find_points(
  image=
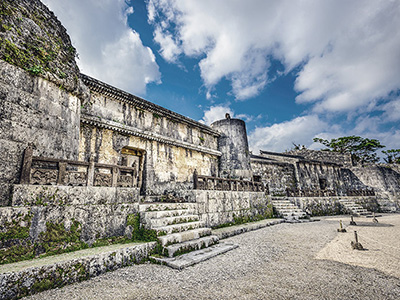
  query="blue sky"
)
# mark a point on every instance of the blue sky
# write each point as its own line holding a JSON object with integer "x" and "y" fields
{"x": 293, "y": 70}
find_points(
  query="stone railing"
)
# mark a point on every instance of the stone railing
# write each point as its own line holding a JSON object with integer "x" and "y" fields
{"x": 202, "y": 182}
{"x": 327, "y": 193}
{"x": 366, "y": 192}
{"x": 50, "y": 171}
{"x": 311, "y": 193}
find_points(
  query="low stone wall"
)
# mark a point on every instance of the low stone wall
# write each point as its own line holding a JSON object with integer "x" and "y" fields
{"x": 325, "y": 206}
{"x": 33, "y": 280}
{"x": 24, "y": 195}
{"x": 319, "y": 206}
{"x": 221, "y": 207}
{"x": 385, "y": 179}
{"x": 55, "y": 219}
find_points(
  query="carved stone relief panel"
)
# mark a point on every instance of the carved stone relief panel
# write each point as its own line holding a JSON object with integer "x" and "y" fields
{"x": 101, "y": 179}
{"x": 43, "y": 176}
{"x": 76, "y": 178}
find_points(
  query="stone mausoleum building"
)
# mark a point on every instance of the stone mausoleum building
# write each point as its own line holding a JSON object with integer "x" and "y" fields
{"x": 75, "y": 150}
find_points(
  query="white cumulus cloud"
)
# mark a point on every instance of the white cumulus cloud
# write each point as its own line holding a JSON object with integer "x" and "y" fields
{"x": 108, "y": 48}
{"x": 215, "y": 113}
{"x": 281, "y": 136}
{"x": 347, "y": 51}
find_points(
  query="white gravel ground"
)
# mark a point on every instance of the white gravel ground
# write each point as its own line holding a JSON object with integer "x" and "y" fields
{"x": 276, "y": 262}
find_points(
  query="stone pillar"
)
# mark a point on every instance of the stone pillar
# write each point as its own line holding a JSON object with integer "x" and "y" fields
{"x": 233, "y": 144}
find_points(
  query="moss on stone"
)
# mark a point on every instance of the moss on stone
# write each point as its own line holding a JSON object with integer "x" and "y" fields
{"x": 140, "y": 233}
{"x": 33, "y": 39}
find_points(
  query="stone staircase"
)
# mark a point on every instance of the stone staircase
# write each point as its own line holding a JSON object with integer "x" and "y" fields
{"x": 354, "y": 208}
{"x": 185, "y": 240}
{"x": 287, "y": 209}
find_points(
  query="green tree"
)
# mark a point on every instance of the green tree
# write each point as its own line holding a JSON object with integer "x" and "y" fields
{"x": 362, "y": 150}
{"x": 392, "y": 156}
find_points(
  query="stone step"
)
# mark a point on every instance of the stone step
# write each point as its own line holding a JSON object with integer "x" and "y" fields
{"x": 356, "y": 208}
{"x": 283, "y": 203}
{"x": 279, "y": 198}
{"x": 289, "y": 214}
{"x": 167, "y": 213}
{"x": 161, "y": 222}
{"x": 180, "y": 237}
{"x": 286, "y": 207}
{"x": 180, "y": 227}
{"x": 195, "y": 257}
{"x": 161, "y": 206}
{"x": 289, "y": 211}
{"x": 192, "y": 245}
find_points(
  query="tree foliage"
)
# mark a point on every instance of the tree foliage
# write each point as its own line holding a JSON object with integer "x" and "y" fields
{"x": 362, "y": 150}
{"x": 392, "y": 156}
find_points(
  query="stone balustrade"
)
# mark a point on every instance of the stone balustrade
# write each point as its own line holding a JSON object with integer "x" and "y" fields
{"x": 366, "y": 192}
{"x": 327, "y": 193}
{"x": 50, "y": 171}
{"x": 202, "y": 182}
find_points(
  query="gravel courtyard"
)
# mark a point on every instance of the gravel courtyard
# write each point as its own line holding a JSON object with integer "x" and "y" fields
{"x": 277, "y": 262}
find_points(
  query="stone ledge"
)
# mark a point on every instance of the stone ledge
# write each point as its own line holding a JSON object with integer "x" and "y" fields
{"x": 19, "y": 280}
{"x": 226, "y": 232}
{"x": 30, "y": 195}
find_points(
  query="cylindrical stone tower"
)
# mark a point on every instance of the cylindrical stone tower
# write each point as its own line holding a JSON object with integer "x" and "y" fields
{"x": 233, "y": 144}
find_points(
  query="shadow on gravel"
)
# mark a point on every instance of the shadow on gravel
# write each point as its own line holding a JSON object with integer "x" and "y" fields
{"x": 367, "y": 224}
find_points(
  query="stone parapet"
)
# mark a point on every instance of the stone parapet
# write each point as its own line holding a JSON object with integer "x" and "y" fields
{"x": 220, "y": 207}
{"x": 27, "y": 281}
{"x": 31, "y": 195}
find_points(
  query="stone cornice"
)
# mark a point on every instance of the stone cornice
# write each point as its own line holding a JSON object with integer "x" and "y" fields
{"x": 121, "y": 128}
{"x": 281, "y": 154}
{"x": 110, "y": 91}
{"x": 268, "y": 161}
{"x": 294, "y": 159}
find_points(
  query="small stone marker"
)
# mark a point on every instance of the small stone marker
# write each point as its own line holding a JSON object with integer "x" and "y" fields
{"x": 356, "y": 245}
{"x": 352, "y": 221}
{"x": 341, "y": 229}
{"x": 375, "y": 220}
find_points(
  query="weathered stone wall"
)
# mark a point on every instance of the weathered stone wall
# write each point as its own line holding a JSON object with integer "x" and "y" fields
{"x": 36, "y": 112}
{"x": 15, "y": 285}
{"x": 349, "y": 181}
{"x": 33, "y": 195}
{"x": 166, "y": 167}
{"x": 385, "y": 179}
{"x": 101, "y": 211}
{"x": 172, "y": 146}
{"x": 278, "y": 176}
{"x": 313, "y": 173}
{"x": 221, "y": 207}
{"x": 39, "y": 85}
{"x": 328, "y": 206}
{"x": 44, "y": 219}
{"x": 113, "y": 107}
{"x": 324, "y": 156}
{"x": 33, "y": 39}
{"x": 319, "y": 206}
{"x": 315, "y": 176}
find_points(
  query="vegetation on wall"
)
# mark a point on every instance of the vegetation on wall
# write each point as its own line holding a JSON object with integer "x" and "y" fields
{"x": 33, "y": 39}
{"x": 258, "y": 214}
{"x": 392, "y": 156}
{"x": 362, "y": 150}
{"x": 17, "y": 244}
